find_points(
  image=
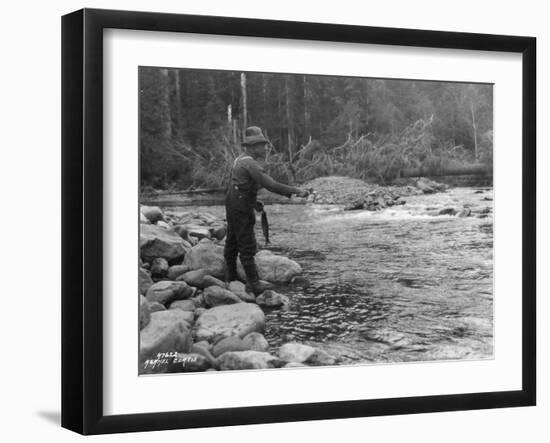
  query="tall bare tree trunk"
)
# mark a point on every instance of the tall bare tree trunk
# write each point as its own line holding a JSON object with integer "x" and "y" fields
{"x": 167, "y": 114}
{"x": 243, "y": 96}
{"x": 474, "y": 125}
{"x": 177, "y": 98}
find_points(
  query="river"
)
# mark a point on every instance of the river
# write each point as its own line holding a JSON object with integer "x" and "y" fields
{"x": 401, "y": 284}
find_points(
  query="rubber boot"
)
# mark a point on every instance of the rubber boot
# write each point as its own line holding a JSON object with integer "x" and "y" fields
{"x": 253, "y": 283}
{"x": 230, "y": 273}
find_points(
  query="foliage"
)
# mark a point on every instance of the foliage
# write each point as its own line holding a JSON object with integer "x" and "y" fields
{"x": 191, "y": 123}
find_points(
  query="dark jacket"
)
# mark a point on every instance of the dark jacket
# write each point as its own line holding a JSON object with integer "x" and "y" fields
{"x": 248, "y": 176}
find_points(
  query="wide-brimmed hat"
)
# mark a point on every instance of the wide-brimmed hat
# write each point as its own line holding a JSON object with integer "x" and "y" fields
{"x": 253, "y": 135}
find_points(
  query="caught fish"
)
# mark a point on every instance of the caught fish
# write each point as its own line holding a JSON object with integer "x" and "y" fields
{"x": 265, "y": 224}
{"x": 265, "y": 227}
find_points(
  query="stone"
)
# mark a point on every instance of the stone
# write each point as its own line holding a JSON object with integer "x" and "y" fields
{"x": 182, "y": 232}
{"x": 175, "y": 271}
{"x": 272, "y": 299}
{"x": 247, "y": 360}
{"x": 238, "y": 319}
{"x": 218, "y": 232}
{"x": 167, "y": 331}
{"x": 163, "y": 225}
{"x": 212, "y": 281}
{"x": 159, "y": 242}
{"x": 295, "y": 352}
{"x": 144, "y": 281}
{"x": 216, "y": 296}
{"x": 273, "y": 268}
{"x": 239, "y": 289}
{"x": 464, "y": 212}
{"x": 188, "y": 316}
{"x": 152, "y": 213}
{"x": 320, "y": 358}
{"x": 256, "y": 342}
{"x": 447, "y": 211}
{"x": 197, "y": 231}
{"x": 143, "y": 219}
{"x": 166, "y": 292}
{"x": 230, "y": 344}
{"x": 159, "y": 267}
{"x": 144, "y": 312}
{"x": 194, "y": 278}
{"x": 156, "y": 306}
{"x": 208, "y": 256}
{"x": 184, "y": 305}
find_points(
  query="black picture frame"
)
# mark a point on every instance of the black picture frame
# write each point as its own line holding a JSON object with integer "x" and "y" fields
{"x": 82, "y": 220}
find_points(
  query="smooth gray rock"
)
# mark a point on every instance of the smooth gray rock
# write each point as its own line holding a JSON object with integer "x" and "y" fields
{"x": 144, "y": 312}
{"x": 166, "y": 292}
{"x": 159, "y": 242}
{"x": 295, "y": 352}
{"x": 144, "y": 281}
{"x": 184, "y": 305}
{"x": 167, "y": 331}
{"x": 216, "y": 296}
{"x": 256, "y": 342}
{"x": 238, "y": 288}
{"x": 273, "y": 268}
{"x": 156, "y": 306}
{"x": 194, "y": 278}
{"x": 159, "y": 267}
{"x": 237, "y": 319}
{"x": 152, "y": 213}
{"x": 208, "y": 256}
{"x": 175, "y": 271}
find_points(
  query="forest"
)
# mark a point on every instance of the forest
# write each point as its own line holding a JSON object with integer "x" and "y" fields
{"x": 191, "y": 123}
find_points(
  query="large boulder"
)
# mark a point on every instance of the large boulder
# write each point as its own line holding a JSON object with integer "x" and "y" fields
{"x": 175, "y": 271}
{"x": 238, "y": 319}
{"x": 274, "y": 268}
{"x": 159, "y": 242}
{"x": 166, "y": 292}
{"x": 213, "y": 281}
{"x": 144, "y": 281}
{"x": 295, "y": 352}
{"x": 194, "y": 278}
{"x": 208, "y": 256}
{"x": 167, "y": 331}
{"x": 144, "y": 312}
{"x": 152, "y": 213}
{"x": 216, "y": 296}
{"x": 248, "y": 360}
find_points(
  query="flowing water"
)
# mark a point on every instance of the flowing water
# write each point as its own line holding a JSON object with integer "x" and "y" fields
{"x": 401, "y": 284}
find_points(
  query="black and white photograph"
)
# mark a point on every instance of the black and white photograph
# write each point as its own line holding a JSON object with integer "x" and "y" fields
{"x": 294, "y": 220}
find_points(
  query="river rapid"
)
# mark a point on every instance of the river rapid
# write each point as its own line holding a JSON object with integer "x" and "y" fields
{"x": 401, "y": 284}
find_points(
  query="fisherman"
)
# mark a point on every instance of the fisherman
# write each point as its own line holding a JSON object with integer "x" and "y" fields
{"x": 247, "y": 177}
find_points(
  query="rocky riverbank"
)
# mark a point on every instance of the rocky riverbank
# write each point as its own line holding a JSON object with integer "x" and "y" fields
{"x": 358, "y": 194}
{"x": 189, "y": 319}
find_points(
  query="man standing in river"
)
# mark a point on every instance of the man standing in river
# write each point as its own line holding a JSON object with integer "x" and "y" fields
{"x": 247, "y": 177}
